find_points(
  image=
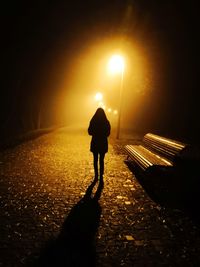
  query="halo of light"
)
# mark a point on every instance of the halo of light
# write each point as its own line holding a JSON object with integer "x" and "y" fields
{"x": 98, "y": 96}
{"x": 116, "y": 64}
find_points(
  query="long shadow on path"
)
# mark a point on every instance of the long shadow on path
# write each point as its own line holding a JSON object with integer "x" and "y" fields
{"x": 75, "y": 245}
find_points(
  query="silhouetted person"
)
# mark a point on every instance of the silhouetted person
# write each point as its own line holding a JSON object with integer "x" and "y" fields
{"x": 99, "y": 128}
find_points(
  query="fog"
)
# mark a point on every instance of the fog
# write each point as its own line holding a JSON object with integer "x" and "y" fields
{"x": 55, "y": 57}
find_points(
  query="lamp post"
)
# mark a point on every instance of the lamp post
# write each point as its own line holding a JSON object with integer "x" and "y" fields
{"x": 116, "y": 65}
{"x": 120, "y": 103}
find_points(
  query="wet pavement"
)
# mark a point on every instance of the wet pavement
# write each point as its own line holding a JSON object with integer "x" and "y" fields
{"x": 46, "y": 220}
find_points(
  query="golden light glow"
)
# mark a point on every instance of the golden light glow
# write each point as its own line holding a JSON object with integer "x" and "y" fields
{"x": 109, "y": 110}
{"x": 116, "y": 64}
{"x": 78, "y": 88}
{"x": 100, "y": 104}
{"x": 115, "y": 112}
{"x": 98, "y": 96}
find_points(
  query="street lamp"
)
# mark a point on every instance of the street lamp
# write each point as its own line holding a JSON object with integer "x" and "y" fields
{"x": 116, "y": 65}
{"x": 98, "y": 96}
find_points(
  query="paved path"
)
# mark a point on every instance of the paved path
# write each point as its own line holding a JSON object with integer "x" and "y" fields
{"x": 42, "y": 180}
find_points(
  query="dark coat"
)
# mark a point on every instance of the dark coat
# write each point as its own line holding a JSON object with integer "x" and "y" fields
{"x": 100, "y": 130}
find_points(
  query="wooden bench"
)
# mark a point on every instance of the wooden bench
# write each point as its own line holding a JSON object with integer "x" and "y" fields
{"x": 157, "y": 152}
{"x": 167, "y": 169}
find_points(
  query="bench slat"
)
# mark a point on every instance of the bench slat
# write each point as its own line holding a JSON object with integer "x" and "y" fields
{"x": 166, "y": 147}
{"x": 156, "y": 151}
{"x": 136, "y": 156}
{"x": 144, "y": 157}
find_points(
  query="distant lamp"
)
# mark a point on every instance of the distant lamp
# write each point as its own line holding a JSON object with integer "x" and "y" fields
{"x": 100, "y": 104}
{"x": 98, "y": 96}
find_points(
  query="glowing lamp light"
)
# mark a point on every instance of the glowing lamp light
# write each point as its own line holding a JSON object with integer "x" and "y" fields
{"x": 98, "y": 96}
{"x": 116, "y": 64}
{"x": 115, "y": 112}
{"x": 109, "y": 110}
{"x": 100, "y": 104}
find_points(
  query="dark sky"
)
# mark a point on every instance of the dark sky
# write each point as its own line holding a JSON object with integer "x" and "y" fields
{"x": 38, "y": 36}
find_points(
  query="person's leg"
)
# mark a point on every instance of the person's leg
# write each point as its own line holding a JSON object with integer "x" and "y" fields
{"x": 95, "y": 157}
{"x": 101, "y": 161}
